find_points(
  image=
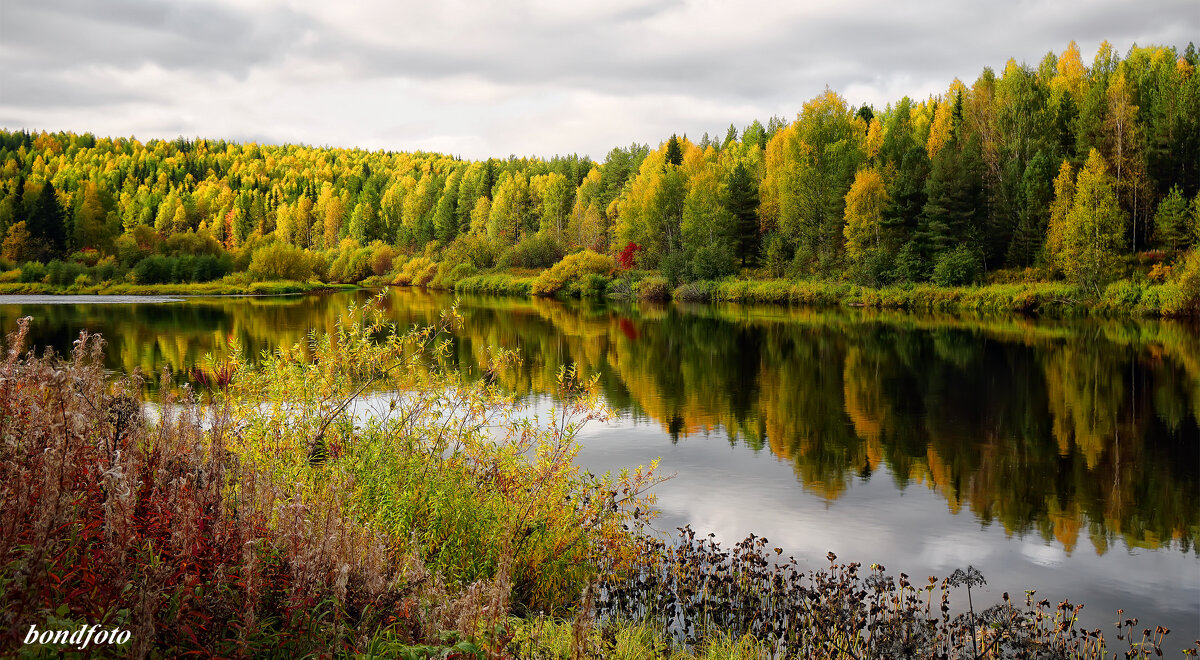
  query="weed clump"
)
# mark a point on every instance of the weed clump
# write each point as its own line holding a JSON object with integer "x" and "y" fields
{"x": 693, "y": 590}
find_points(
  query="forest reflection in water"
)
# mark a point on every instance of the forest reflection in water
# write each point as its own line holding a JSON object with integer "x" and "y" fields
{"x": 1084, "y": 432}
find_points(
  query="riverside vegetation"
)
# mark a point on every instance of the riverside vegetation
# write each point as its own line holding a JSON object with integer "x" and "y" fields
{"x": 353, "y": 494}
{"x": 1060, "y": 187}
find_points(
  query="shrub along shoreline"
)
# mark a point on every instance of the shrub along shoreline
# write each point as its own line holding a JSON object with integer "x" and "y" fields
{"x": 217, "y": 288}
{"x": 587, "y": 274}
{"x": 1177, "y": 298}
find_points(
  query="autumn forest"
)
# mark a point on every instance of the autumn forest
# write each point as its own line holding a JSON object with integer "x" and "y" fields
{"x": 1063, "y": 170}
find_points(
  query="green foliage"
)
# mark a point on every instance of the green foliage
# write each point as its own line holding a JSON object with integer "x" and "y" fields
{"x": 472, "y": 249}
{"x": 777, "y": 254}
{"x": 532, "y": 251}
{"x": 674, "y": 154}
{"x": 448, "y": 274}
{"x": 741, "y": 201}
{"x": 712, "y": 262}
{"x": 1173, "y": 220}
{"x": 1037, "y": 195}
{"x": 1121, "y": 295}
{"x": 591, "y": 285}
{"x": 878, "y": 269}
{"x": 820, "y": 154}
{"x": 1196, "y": 220}
{"x": 33, "y": 271}
{"x": 958, "y": 267}
{"x": 911, "y": 264}
{"x": 62, "y": 273}
{"x": 573, "y": 268}
{"x": 352, "y": 264}
{"x": 416, "y": 272}
{"x": 155, "y": 269}
{"x": 675, "y": 267}
{"x": 501, "y": 284}
{"x": 47, "y": 223}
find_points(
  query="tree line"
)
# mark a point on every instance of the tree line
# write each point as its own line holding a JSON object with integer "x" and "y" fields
{"x": 1061, "y": 166}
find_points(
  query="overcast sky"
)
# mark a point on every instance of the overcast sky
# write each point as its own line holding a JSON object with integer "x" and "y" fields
{"x": 525, "y": 77}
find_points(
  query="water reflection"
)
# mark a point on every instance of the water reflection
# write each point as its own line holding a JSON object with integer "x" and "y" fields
{"x": 1084, "y": 433}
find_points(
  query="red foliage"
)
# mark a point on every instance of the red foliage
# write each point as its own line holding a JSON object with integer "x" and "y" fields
{"x": 626, "y": 258}
{"x": 628, "y": 329}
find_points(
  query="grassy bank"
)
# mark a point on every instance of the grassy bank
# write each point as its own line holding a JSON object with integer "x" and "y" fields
{"x": 218, "y": 288}
{"x": 1123, "y": 298}
{"x": 590, "y": 275}
{"x": 257, "y": 514}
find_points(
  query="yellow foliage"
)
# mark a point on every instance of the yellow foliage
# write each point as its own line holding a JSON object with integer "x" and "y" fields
{"x": 1071, "y": 74}
{"x": 865, "y": 203}
{"x": 573, "y": 267}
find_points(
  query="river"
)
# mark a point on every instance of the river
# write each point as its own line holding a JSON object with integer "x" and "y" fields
{"x": 1061, "y": 455}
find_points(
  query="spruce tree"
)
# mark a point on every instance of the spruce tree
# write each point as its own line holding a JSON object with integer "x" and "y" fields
{"x": 1037, "y": 192}
{"x": 674, "y": 152}
{"x": 47, "y": 225}
{"x": 954, "y": 198}
{"x": 741, "y": 200}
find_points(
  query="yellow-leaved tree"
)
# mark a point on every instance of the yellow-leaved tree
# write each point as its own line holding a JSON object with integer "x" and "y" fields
{"x": 1086, "y": 240}
{"x": 1064, "y": 197}
{"x": 865, "y": 204}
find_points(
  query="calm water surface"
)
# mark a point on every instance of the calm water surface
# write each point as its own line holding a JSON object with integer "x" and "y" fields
{"x": 1057, "y": 454}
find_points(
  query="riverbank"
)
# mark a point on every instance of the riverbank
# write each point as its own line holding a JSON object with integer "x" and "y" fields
{"x": 590, "y": 275}
{"x": 218, "y": 288}
{"x": 1122, "y": 298}
{"x": 276, "y": 523}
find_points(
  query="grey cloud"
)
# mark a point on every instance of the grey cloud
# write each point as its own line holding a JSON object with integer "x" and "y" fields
{"x": 75, "y": 54}
{"x": 126, "y": 34}
{"x": 39, "y": 90}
